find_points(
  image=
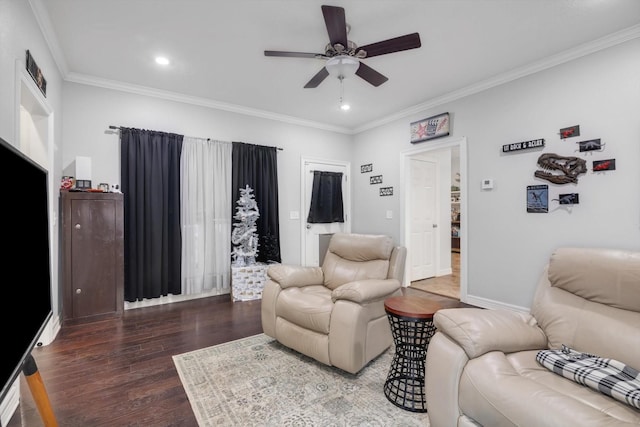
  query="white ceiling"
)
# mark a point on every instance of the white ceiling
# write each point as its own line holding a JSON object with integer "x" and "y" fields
{"x": 217, "y": 49}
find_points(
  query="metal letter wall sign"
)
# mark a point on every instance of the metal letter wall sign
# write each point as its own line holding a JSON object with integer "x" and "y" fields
{"x": 430, "y": 128}
{"x": 526, "y": 145}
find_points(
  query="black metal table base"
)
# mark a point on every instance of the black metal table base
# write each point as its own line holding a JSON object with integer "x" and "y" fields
{"x": 404, "y": 386}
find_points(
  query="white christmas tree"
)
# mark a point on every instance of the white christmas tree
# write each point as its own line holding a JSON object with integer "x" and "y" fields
{"x": 244, "y": 235}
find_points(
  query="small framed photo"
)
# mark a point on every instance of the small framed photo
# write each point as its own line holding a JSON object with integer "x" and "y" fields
{"x": 430, "y": 128}
{"x": 538, "y": 198}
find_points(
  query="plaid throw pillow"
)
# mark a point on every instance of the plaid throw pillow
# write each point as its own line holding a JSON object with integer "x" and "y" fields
{"x": 608, "y": 376}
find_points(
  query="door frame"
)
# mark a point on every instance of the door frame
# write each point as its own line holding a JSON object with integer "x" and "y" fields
{"x": 405, "y": 156}
{"x": 303, "y": 194}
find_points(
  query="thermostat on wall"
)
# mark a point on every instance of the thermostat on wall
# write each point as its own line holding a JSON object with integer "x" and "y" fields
{"x": 487, "y": 184}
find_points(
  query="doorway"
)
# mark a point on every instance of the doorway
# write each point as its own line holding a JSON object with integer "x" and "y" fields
{"x": 449, "y": 256}
{"x": 315, "y": 236}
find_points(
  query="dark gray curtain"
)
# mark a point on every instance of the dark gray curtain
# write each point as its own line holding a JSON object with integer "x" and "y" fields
{"x": 150, "y": 176}
{"x": 257, "y": 167}
{"x": 326, "y": 198}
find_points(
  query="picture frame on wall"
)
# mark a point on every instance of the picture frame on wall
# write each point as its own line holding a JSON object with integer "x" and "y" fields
{"x": 430, "y": 128}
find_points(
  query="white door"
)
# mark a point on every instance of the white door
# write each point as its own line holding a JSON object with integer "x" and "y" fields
{"x": 316, "y": 236}
{"x": 423, "y": 216}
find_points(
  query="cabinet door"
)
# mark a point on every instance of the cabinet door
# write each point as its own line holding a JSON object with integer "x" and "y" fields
{"x": 94, "y": 255}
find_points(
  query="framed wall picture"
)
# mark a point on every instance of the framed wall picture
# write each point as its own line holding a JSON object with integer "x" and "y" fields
{"x": 430, "y": 128}
{"x": 538, "y": 198}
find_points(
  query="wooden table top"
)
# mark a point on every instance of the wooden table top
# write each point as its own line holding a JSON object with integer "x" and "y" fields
{"x": 411, "y": 306}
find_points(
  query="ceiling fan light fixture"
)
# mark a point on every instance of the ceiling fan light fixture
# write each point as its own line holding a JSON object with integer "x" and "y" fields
{"x": 342, "y": 66}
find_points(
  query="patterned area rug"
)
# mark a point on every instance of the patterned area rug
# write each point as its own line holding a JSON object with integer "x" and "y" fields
{"x": 255, "y": 381}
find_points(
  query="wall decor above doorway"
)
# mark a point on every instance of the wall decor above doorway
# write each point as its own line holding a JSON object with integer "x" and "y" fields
{"x": 430, "y": 128}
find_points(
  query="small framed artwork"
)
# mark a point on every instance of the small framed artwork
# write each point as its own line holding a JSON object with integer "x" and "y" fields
{"x": 366, "y": 168}
{"x": 570, "y": 132}
{"x": 569, "y": 199}
{"x": 376, "y": 179}
{"x": 386, "y": 191}
{"x": 604, "y": 165}
{"x": 430, "y": 128}
{"x": 36, "y": 74}
{"x": 538, "y": 198}
{"x": 590, "y": 145}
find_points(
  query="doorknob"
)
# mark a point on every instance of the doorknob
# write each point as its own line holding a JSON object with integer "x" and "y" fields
{"x": 308, "y": 226}
{"x": 434, "y": 225}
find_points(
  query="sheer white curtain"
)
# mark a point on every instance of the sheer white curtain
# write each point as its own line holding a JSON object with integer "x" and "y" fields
{"x": 205, "y": 215}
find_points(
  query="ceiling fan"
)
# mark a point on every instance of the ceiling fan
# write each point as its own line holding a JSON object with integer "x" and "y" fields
{"x": 343, "y": 56}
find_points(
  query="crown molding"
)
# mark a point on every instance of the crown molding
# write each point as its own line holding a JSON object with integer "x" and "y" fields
{"x": 44, "y": 22}
{"x": 608, "y": 41}
{"x": 198, "y": 101}
{"x": 605, "y": 42}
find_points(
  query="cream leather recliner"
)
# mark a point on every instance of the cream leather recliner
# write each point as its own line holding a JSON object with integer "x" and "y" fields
{"x": 481, "y": 366}
{"x": 335, "y": 313}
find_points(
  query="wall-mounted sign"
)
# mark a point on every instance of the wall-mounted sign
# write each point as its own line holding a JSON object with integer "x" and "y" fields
{"x": 366, "y": 168}
{"x": 36, "y": 74}
{"x": 568, "y": 199}
{"x": 376, "y": 179}
{"x": 604, "y": 165}
{"x": 538, "y": 198}
{"x": 569, "y": 132}
{"x": 430, "y": 128}
{"x": 525, "y": 145}
{"x": 591, "y": 145}
{"x": 386, "y": 191}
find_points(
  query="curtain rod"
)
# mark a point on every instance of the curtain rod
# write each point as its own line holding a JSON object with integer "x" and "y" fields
{"x": 208, "y": 139}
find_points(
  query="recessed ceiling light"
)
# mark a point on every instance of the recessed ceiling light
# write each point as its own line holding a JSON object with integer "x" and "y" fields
{"x": 162, "y": 60}
{"x": 345, "y": 107}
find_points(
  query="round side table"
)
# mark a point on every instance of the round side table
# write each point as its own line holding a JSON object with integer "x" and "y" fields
{"x": 411, "y": 320}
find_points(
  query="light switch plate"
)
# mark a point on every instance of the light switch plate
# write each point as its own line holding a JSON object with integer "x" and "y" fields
{"x": 487, "y": 184}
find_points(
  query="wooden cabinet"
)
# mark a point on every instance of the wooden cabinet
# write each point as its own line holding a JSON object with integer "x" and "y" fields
{"x": 93, "y": 255}
{"x": 455, "y": 221}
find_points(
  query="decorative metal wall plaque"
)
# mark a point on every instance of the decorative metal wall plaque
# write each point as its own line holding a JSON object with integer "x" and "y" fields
{"x": 430, "y": 128}
{"x": 525, "y": 145}
{"x": 538, "y": 198}
{"x": 366, "y": 168}
{"x": 590, "y": 145}
{"x": 568, "y": 199}
{"x": 604, "y": 165}
{"x": 386, "y": 191}
{"x": 376, "y": 179}
{"x": 36, "y": 74}
{"x": 569, "y": 132}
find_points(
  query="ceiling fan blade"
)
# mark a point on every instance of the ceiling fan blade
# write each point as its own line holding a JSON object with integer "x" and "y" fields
{"x": 336, "y": 24}
{"x": 292, "y": 54}
{"x": 397, "y": 44}
{"x": 317, "y": 79}
{"x": 370, "y": 75}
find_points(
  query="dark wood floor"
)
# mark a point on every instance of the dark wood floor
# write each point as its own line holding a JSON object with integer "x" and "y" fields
{"x": 120, "y": 372}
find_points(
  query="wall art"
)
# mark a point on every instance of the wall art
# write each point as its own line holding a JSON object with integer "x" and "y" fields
{"x": 386, "y": 191}
{"x": 430, "y": 128}
{"x": 538, "y": 198}
{"x": 568, "y": 199}
{"x": 604, "y": 165}
{"x": 569, "y": 132}
{"x": 525, "y": 145}
{"x": 366, "y": 168}
{"x": 560, "y": 169}
{"x": 36, "y": 74}
{"x": 591, "y": 145}
{"x": 376, "y": 179}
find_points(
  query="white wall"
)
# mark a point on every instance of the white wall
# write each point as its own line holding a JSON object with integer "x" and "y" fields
{"x": 508, "y": 247}
{"x": 89, "y": 111}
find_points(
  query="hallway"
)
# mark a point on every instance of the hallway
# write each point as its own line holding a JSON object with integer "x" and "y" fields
{"x": 448, "y": 285}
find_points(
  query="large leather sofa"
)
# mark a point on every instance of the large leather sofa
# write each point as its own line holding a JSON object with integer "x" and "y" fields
{"x": 481, "y": 366}
{"x": 335, "y": 313}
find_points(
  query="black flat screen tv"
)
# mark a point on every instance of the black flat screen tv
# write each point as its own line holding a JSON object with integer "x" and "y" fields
{"x": 25, "y": 266}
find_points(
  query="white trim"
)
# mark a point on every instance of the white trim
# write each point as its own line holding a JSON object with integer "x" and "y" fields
{"x": 494, "y": 305}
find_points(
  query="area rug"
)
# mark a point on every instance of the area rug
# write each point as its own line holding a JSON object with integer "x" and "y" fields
{"x": 256, "y": 381}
